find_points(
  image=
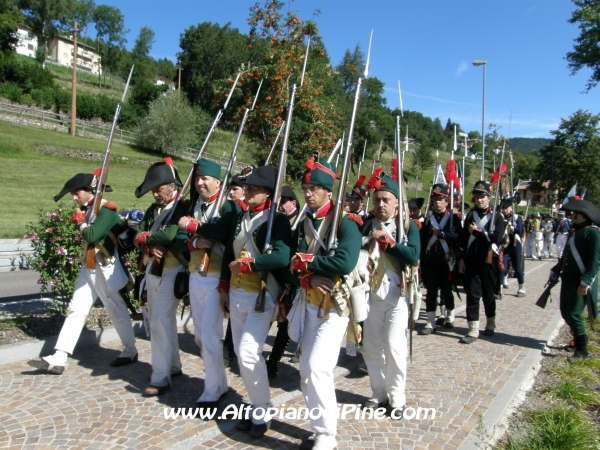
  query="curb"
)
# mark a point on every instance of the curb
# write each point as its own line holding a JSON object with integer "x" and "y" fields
{"x": 25, "y": 350}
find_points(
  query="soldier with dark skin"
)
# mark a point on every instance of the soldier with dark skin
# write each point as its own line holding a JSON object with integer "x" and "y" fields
{"x": 479, "y": 261}
{"x": 156, "y": 235}
{"x": 439, "y": 239}
{"x": 579, "y": 272}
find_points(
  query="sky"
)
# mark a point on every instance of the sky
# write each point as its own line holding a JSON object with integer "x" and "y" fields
{"x": 429, "y": 46}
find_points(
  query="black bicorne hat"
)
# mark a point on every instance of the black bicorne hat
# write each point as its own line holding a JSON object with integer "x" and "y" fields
{"x": 507, "y": 202}
{"x": 416, "y": 202}
{"x": 588, "y": 209}
{"x": 287, "y": 192}
{"x": 81, "y": 181}
{"x": 240, "y": 178}
{"x": 158, "y": 174}
{"x": 263, "y": 176}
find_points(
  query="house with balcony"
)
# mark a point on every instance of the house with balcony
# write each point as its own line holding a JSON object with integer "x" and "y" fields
{"x": 539, "y": 195}
{"x": 60, "y": 51}
{"x": 27, "y": 41}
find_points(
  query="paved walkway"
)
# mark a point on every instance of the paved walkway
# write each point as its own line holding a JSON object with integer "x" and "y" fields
{"x": 95, "y": 406}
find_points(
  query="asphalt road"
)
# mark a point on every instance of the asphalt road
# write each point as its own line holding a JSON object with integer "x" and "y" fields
{"x": 19, "y": 285}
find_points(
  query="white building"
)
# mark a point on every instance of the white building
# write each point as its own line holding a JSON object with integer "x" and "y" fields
{"x": 60, "y": 51}
{"x": 27, "y": 41}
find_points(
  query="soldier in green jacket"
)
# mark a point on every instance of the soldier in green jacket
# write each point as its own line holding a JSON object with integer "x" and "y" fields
{"x": 240, "y": 286}
{"x": 579, "y": 271}
{"x": 104, "y": 280}
{"x": 384, "y": 339}
{"x": 320, "y": 277}
{"x": 203, "y": 234}
{"x": 156, "y": 236}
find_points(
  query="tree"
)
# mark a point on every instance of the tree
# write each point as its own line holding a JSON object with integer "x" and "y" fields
{"x": 166, "y": 68}
{"x": 351, "y": 68}
{"x": 10, "y": 17}
{"x": 573, "y": 156}
{"x": 110, "y": 34}
{"x": 140, "y": 54}
{"x": 423, "y": 158}
{"x": 316, "y": 119}
{"x": 586, "y": 51}
{"x": 211, "y": 54}
{"x": 170, "y": 126}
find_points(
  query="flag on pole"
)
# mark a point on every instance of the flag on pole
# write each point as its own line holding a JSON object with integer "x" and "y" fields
{"x": 439, "y": 174}
{"x": 572, "y": 195}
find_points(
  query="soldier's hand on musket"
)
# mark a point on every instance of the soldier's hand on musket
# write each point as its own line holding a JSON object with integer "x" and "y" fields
{"x": 582, "y": 290}
{"x": 462, "y": 268}
{"x": 378, "y": 234}
{"x": 204, "y": 243}
{"x": 551, "y": 277}
{"x": 473, "y": 227}
{"x": 240, "y": 265}
{"x": 224, "y": 300}
{"x": 159, "y": 251}
{"x": 323, "y": 284}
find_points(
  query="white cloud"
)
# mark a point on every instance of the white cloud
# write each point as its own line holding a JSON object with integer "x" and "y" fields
{"x": 461, "y": 68}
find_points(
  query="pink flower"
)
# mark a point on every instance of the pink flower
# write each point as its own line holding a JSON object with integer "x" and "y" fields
{"x": 25, "y": 236}
{"x": 54, "y": 216}
{"x": 40, "y": 281}
{"x": 61, "y": 251}
{"x": 52, "y": 240}
{"x": 52, "y": 282}
{"x": 71, "y": 260}
{"x": 48, "y": 230}
{"x": 44, "y": 263}
{"x": 34, "y": 237}
{"x": 78, "y": 238}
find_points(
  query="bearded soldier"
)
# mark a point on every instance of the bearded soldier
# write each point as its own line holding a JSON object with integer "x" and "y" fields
{"x": 208, "y": 229}
{"x": 104, "y": 280}
{"x": 439, "y": 237}
{"x": 385, "y": 345}
{"x": 514, "y": 249}
{"x": 241, "y": 284}
{"x": 156, "y": 235}
{"x": 320, "y": 277}
{"x": 579, "y": 272}
{"x": 479, "y": 260}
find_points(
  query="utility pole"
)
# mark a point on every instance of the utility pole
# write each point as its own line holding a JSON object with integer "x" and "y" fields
{"x": 74, "y": 85}
{"x": 179, "y": 82}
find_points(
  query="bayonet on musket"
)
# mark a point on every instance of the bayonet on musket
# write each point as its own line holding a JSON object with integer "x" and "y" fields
{"x": 332, "y": 241}
{"x": 90, "y": 255}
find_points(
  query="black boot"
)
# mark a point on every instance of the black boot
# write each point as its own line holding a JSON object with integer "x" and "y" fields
{"x": 282, "y": 340}
{"x": 581, "y": 351}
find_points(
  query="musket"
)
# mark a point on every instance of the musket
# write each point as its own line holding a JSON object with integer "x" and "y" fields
{"x": 452, "y": 186}
{"x": 332, "y": 241}
{"x": 493, "y": 224}
{"x": 368, "y": 193}
{"x": 90, "y": 256}
{"x": 268, "y": 248}
{"x": 157, "y": 263}
{"x": 274, "y": 143}
{"x": 363, "y": 157}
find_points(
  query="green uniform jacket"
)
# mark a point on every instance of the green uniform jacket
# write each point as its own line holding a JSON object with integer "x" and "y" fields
{"x": 97, "y": 233}
{"x": 587, "y": 243}
{"x": 165, "y": 235}
{"x": 407, "y": 254}
{"x": 279, "y": 258}
{"x": 219, "y": 230}
{"x": 346, "y": 255}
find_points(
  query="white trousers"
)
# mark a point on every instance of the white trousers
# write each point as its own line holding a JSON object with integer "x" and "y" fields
{"x": 321, "y": 342}
{"x": 162, "y": 308}
{"x": 249, "y": 330}
{"x": 90, "y": 284}
{"x": 537, "y": 244}
{"x": 561, "y": 242}
{"x": 548, "y": 247}
{"x": 208, "y": 330}
{"x": 385, "y": 349}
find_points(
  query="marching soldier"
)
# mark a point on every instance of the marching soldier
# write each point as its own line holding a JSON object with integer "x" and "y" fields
{"x": 548, "y": 228}
{"x": 356, "y": 199}
{"x": 514, "y": 249}
{"x": 479, "y": 261}
{"x": 384, "y": 339}
{"x": 241, "y": 283}
{"x": 156, "y": 234}
{"x": 562, "y": 233}
{"x": 415, "y": 205}
{"x": 439, "y": 237}
{"x": 579, "y": 272}
{"x": 537, "y": 234}
{"x": 206, "y": 249}
{"x": 320, "y": 277}
{"x": 105, "y": 280}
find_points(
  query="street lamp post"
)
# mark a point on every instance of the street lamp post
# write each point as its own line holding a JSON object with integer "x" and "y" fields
{"x": 482, "y": 62}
